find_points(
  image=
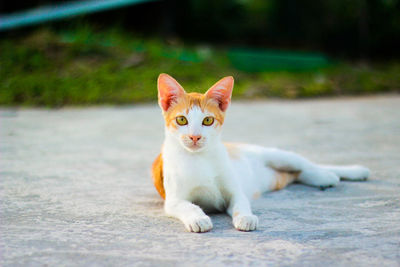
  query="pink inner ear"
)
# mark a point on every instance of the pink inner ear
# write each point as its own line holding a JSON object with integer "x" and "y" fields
{"x": 168, "y": 91}
{"x": 222, "y": 92}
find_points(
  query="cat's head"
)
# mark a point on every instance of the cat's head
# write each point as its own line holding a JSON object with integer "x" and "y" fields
{"x": 194, "y": 119}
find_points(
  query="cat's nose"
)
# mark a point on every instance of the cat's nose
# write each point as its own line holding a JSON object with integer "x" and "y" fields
{"x": 195, "y": 138}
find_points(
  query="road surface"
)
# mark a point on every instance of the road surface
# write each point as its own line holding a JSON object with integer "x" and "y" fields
{"x": 76, "y": 188}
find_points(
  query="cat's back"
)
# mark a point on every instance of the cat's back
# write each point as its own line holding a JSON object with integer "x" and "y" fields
{"x": 157, "y": 174}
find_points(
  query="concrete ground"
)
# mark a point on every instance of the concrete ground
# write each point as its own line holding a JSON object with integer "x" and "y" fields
{"x": 76, "y": 188}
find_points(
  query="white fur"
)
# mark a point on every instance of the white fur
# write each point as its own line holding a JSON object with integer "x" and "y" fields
{"x": 207, "y": 178}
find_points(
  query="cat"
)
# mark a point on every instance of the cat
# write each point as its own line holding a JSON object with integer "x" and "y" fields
{"x": 197, "y": 173}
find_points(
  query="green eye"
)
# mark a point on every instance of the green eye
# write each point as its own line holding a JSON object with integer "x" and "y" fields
{"x": 181, "y": 120}
{"x": 208, "y": 121}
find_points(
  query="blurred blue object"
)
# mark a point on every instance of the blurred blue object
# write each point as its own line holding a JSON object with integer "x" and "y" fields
{"x": 61, "y": 11}
{"x": 256, "y": 60}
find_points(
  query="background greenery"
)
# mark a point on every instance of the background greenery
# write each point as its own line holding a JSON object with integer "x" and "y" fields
{"x": 341, "y": 28}
{"x": 115, "y": 57}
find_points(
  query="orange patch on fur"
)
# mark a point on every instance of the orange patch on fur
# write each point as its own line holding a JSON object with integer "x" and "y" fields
{"x": 235, "y": 214}
{"x": 256, "y": 195}
{"x": 188, "y": 101}
{"x": 283, "y": 179}
{"x": 233, "y": 150}
{"x": 157, "y": 173}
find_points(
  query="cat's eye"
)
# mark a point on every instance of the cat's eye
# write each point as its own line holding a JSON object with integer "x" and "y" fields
{"x": 208, "y": 121}
{"x": 181, "y": 120}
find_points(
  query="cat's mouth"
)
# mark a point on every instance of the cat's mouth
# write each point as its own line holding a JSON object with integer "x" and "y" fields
{"x": 193, "y": 147}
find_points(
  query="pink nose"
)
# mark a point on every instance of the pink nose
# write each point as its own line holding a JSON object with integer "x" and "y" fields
{"x": 195, "y": 138}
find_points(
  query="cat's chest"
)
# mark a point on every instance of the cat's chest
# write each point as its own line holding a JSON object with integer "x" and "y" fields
{"x": 198, "y": 171}
{"x": 200, "y": 184}
{"x": 192, "y": 176}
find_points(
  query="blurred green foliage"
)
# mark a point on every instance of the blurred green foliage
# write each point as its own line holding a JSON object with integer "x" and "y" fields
{"x": 344, "y": 28}
{"x": 366, "y": 29}
{"x": 84, "y": 66}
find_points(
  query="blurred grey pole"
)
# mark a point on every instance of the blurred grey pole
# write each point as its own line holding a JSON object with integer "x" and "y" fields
{"x": 61, "y": 11}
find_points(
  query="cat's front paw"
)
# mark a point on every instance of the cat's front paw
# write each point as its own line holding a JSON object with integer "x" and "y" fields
{"x": 245, "y": 222}
{"x": 199, "y": 224}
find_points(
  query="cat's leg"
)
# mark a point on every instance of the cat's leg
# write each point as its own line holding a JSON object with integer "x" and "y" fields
{"x": 322, "y": 176}
{"x": 318, "y": 177}
{"x": 348, "y": 173}
{"x": 192, "y": 216}
{"x": 238, "y": 204}
{"x": 309, "y": 172}
{"x": 240, "y": 211}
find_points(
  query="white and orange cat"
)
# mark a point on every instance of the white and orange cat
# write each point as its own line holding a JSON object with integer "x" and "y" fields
{"x": 196, "y": 172}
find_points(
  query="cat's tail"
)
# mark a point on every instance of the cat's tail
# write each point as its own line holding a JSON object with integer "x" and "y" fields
{"x": 348, "y": 173}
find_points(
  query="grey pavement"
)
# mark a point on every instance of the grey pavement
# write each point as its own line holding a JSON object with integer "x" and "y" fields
{"x": 76, "y": 188}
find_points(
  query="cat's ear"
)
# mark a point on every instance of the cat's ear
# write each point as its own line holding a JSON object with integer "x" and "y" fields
{"x": 222, "y": 92}
{"x": 169, "y": 90}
